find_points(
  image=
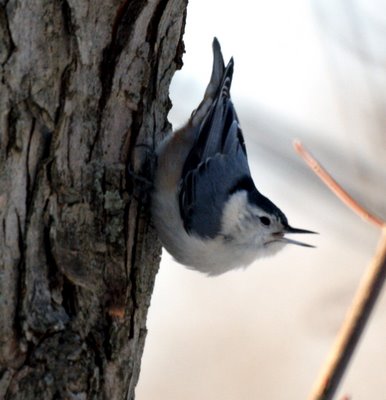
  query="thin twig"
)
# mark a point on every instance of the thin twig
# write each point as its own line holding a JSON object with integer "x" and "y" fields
{"x": 335, "y": 187}
{"x": 353, "y": 325}
{"x": 364, "y": 300}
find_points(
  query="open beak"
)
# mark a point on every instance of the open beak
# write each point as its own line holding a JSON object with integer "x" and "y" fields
{"x": 288, "y": 229}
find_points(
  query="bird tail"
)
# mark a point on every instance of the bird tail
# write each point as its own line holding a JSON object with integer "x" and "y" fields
{"x": 217, "y": 82}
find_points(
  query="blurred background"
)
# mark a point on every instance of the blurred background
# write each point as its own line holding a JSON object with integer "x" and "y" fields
{"x": 313, "y": 70}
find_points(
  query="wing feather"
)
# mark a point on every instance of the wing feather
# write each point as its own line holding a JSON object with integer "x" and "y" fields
{"x": 217, "y": 163}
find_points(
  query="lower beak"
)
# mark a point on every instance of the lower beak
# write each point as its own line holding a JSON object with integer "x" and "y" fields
{"x": 291, "y": 241}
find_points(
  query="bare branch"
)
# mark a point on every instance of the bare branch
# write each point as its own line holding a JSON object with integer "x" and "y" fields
{"x": 353, "y": 325}
{"x": 334, "y": 186}
{"x": 364, "y": 300}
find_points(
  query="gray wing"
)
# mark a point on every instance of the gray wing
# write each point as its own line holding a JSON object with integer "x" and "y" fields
{"x": 216, "y": 167}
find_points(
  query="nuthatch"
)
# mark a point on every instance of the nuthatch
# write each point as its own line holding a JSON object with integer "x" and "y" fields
{"x": 206, "y": 208}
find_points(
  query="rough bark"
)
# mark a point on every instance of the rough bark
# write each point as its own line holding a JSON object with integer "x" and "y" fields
{"x": 82, "y": 84}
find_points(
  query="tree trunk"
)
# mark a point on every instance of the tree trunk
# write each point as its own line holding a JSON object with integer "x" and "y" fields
{"x": 83, "y": 86}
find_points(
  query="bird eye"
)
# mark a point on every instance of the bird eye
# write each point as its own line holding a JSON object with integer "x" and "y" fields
{"x": 265, "y": 221}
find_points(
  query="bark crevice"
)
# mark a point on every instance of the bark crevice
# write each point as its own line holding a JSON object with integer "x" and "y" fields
{"x": 7, "y": 46}
{"x": 78, "y": 256}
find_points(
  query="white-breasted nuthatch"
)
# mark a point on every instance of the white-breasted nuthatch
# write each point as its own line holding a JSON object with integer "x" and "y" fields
{"x": 206, "y": 209}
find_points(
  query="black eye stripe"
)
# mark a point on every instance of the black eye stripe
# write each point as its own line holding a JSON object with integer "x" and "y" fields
{"x": 265, "y": 221}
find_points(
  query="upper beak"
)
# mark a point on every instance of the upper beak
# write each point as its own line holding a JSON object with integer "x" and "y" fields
{"x": 289, "y": 229}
